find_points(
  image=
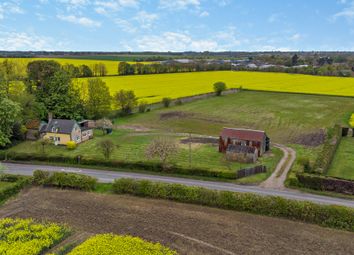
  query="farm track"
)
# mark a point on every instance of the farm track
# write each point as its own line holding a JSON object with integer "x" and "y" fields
{"x": 278, "y": 177}
{"x": 109, "y": 176}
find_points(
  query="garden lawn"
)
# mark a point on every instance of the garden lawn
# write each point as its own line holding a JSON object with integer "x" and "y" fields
{"x": 156, "y": 86}
{"x": 343, "y": 162}
{"x": 131, "y": 146}
{"x": 287, "y": 118}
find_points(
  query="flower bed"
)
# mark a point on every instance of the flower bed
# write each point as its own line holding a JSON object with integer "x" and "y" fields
{"x": 108, "y": 244}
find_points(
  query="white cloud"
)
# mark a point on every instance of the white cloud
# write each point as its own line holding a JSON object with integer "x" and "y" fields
{"x": 178, "y": 4}
{"x": 106, "y": 7}
{"x": 146, "y": 20}
{"x": 10, "y": 7}
{"x": 74, "y": 4}
{"x": 295, "y": 37}
{"x": 171, "y": 41}
{"x": 204, "y": 14}
{"x": 13, "y": 41}
{"x": 274, "y": 17}
{"x": 84, "y": 21}
{"x": 347, "y": 13}
{"x": 125, "y": 25}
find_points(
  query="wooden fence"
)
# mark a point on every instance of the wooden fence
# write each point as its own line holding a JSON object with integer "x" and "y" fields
{"x": 251, "y": 171}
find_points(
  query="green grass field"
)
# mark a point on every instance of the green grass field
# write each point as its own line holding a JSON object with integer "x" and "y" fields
{"x": 343, "y": 162}
{"x": 286, "y": 118}
{"x": 154, "y": 87}
{"x": 131, "y": 148}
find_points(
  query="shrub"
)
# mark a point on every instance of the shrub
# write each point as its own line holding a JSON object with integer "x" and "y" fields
{"x": 113, "y": 244}
{"x": 328, "y": 216}
{"x": 219, "y": 87}
{"x": 17, "y": 184}
{"x": 71, "y": 145}
{"x": 325, "y": 157}
{"x": 142, "y": 106}
{"x": 351, "y": 121}
{"x": 64, "y": 180}
{"x": 305, "y": 163}
{"x": 178, "y": 102}
{"x": 166, "y": 101}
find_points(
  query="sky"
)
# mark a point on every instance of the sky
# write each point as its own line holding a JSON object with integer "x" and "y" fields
{"x": 177, "y": 25}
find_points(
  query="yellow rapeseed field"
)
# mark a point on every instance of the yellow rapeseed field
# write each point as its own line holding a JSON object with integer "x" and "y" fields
{"x": 112, "y": 66}
{"x": 154, "y": 87}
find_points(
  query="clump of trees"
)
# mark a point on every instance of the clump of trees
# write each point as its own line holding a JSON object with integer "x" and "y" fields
{"x": 126, "y": 101}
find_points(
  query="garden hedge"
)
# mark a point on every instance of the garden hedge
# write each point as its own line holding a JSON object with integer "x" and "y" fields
{"x": 18, "y": 183}
{"x": 325, "y": 157}
{"x": 325, "y": 183}
{"x": 64, "y": 180}
{"x": 324, "y": 215}
{"x": 146, "y": 166}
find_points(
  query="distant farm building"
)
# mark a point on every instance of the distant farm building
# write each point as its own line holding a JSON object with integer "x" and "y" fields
{"x": 242, "y": 144}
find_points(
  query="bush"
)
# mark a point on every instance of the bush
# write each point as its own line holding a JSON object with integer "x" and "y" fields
{"x": 18, "y": 183}
{"x": 219, "y": 87}
{"x": 64, "y": 180}
{"x": 71, "y": 145}
{"x": 178, "y": 102}
{"x": 305, "y": 163}
{"x": 328, "y": 216}
{"x": 324, "y": 183}
{"x": 142, "y": 106}
{"x": 166, "y": 101}
{"x": 325, "y": 157}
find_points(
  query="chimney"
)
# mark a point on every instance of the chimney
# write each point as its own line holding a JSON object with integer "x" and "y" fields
{"x": 50, "y": 116}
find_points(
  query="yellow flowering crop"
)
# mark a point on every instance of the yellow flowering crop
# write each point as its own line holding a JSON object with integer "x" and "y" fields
{"x": 351, "y": 121}
{"x": 109, "y": 244}
{"x": 26, "y": 237}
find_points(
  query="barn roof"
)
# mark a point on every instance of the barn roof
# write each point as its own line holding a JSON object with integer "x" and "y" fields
{"x": 243, "y": 134}
{"x": 240, "y": 149}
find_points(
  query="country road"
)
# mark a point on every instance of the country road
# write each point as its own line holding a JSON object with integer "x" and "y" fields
{"x": 109, "y": 176}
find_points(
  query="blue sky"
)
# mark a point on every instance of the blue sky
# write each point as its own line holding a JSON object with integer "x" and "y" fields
{"x": 177, "y": 25}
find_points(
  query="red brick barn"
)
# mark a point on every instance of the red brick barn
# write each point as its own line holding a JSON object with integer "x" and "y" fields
{"x": 244, "y": 137}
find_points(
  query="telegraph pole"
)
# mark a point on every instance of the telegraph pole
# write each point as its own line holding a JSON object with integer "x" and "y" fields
{"x": 190, "y": 150}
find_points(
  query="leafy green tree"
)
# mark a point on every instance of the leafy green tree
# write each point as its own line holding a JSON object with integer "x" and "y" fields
{"x": 72, "y": 70}
{"x": 219, "y": 87}
{"x": 166, "y": 101}
{"x": 107, "y": 147}
{"x": 98, "y": 102}
{"x": 9, "y": 112}
{"x": 126, "y": 100}
{"x": 39, "y": 72}
{"x": 60, "y": 97}
{"x": 85, "y": 71}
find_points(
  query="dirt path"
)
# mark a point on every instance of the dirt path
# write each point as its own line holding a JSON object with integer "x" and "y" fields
{"x": 189, "y": 229}
{"x": 278, "y": 177}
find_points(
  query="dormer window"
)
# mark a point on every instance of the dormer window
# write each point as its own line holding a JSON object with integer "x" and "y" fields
{"x": 54, "y": 129}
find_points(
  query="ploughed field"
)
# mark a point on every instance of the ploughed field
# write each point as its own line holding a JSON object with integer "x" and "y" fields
{"x": 155, "y": 87}
{"x": 189, "y": 229}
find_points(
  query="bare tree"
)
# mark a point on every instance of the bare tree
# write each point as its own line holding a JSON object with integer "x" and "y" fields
{"x": 107, "y": 147}
{"x": 43, "y": 143}
{"x": 162, "y": 148}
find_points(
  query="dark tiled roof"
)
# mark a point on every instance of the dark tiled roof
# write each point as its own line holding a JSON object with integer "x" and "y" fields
{"x": 243, "y": 134}
{"x": 240, "y": 149}
{"x": 63, "y": 126}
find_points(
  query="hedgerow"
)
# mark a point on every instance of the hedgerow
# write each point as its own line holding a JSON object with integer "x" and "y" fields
{"x": 17, "y": 184}
{"x": 64, "y": 180}
{"x": 325, "y": 157}
{"x": 328, "y": 216}
{"x": 107, "y": 244}
{"x": 26, "y": 237}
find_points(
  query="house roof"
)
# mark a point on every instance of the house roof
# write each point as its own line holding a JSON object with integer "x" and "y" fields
{"x": 240, "y": 149}
{"x": 243, "y": 134}
{"x": 64, "y": 126}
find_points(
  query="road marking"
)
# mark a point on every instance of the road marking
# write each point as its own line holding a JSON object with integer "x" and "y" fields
{"x": 70, "y": 170}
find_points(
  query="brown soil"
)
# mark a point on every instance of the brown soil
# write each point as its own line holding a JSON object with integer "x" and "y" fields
{"x": 312, "y": 139}
{"x": 190, "y": 229}
{"x": 174, "y": 115}
{"x": 200, "y": 140}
